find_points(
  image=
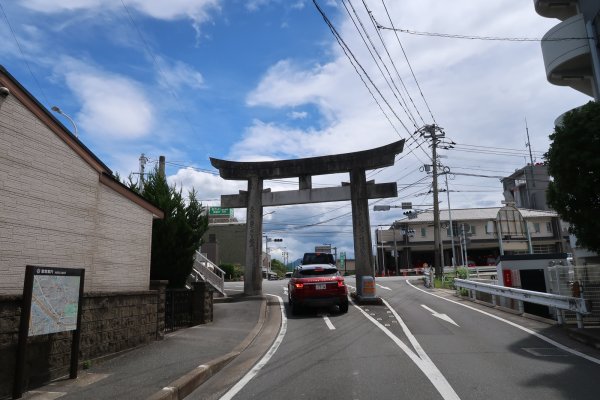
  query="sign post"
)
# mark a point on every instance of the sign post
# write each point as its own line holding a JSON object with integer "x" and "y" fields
{"x": 52, "y": 302}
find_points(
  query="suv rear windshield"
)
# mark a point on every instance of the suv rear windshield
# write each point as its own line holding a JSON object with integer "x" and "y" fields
{"x": 301, "y": 273}
{"x": 317, "y": 258}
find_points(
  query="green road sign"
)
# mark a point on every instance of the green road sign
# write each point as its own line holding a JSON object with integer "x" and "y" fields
{"x": 220, "y": 211}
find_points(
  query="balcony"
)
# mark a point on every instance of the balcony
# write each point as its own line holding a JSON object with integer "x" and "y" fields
{"x": 569, "y": 62}
{"x": 561, "y": 9}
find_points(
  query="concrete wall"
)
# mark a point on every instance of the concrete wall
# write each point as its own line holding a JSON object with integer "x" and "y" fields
{"x": 55, "y": 212}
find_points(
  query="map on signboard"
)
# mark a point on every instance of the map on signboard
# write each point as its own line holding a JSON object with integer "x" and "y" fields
{"x": 54, "y": 304}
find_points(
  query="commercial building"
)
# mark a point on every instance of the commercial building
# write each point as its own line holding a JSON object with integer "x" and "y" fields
{"x": 409, "y": 243}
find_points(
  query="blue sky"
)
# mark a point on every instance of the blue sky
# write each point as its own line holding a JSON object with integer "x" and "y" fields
{"x": 265, "y": 79}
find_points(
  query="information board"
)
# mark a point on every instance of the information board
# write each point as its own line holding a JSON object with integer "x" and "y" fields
{"x": 54, "y": 300}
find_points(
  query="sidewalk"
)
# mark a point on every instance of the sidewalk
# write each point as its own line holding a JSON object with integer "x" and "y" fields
{"x": 172, "y": 367}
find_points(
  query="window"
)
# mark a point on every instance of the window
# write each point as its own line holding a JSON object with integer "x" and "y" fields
{"x": 473, "y": 230}
{"x": 489, "y": 227}
{"x": 423, "y": 232}
{"x": 549, "y": 227}
{"x": 536, "y": 227}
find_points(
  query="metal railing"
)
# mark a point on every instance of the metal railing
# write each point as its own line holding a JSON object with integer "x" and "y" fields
{"x": 178, "y": 309}
{"x": 578, "y": 281}
{"x": 205, "y": 270}
{"x": 559, "y": 302}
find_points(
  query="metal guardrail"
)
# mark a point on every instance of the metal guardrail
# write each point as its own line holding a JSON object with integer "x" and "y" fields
{"x": 559, "y": 302}
{"x": 205, "y": 270}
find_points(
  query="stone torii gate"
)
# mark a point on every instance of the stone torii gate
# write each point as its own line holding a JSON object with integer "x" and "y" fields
{"x": 359, "y": 191}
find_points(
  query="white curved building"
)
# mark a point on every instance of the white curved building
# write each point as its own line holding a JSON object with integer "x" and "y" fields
{"x": 571, "y": 48}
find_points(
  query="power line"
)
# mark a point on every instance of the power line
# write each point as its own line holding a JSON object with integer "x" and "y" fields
{"x": 408, "y": 63}
{"x": 391, "y": 85}
{"x": 475, "y": 37}
{"x": 356, "y": 64}
{"x": 23, "y": 54}
{"x": 157, "y": 65}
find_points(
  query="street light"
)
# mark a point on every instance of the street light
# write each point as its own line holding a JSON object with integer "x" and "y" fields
{"x": 61, "y": 112}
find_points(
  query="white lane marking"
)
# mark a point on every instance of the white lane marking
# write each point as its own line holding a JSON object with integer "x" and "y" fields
{"x": 285, "y": 290}
{"x": 383, "y": 287}
{"x": 438, "y": 315}
{"x": 328, "y": 322}
{"x": 256, "y": 369}
{"x": 422, "y": 360}
{"x": 544, "y": 338}
{"x": 235, "y": 290}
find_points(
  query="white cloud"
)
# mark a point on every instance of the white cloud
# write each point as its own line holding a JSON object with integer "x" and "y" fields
{"x": 198, "y": 11}
{"x": 208, "y": 186}
{"x": 111, "y": 105}
{"x": 298, "y": 114}
{"x": 254, "y": 5}
{"x": 178, "y": 74}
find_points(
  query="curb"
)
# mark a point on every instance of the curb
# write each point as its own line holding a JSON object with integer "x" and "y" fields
{"x": 181, "y": 387}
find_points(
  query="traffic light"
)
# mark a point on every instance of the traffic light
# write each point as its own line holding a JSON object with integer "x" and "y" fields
{"x": 411, "y": 214}
{"x": 278, "y": 240}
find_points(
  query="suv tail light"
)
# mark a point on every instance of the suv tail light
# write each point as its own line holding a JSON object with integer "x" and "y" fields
{"x": 299, "y": 285}
{"x": 341, "y": 284}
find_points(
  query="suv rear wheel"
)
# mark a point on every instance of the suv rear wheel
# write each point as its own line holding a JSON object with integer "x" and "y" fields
{"x": 344, "y": 307}
{"x": 294, "y": 308}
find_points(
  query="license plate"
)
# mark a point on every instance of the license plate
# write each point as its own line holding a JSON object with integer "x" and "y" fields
{"x": 321, "y": 286}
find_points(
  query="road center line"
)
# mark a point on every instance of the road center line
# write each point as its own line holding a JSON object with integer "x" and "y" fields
{"x": 544, "y": 338}
{"x": 328, "y": 322}
{"x": 422, "y": 361}
{"x": 256, "y": 369}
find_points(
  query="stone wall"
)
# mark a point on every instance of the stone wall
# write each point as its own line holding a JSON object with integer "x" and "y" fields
{"x": 111, "y": 323}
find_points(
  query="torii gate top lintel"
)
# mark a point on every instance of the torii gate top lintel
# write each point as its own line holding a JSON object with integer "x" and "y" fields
{"x": 378, "y": 157}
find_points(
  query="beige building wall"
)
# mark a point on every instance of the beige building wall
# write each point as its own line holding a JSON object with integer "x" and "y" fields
{"x": 54, "y": 211}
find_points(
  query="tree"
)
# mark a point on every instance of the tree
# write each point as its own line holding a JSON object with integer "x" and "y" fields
{"x": 574, "y": 164}
{"x": 232, "y": 272}
{"x": 176, "y": 238}
{"x": 278, "y": 267}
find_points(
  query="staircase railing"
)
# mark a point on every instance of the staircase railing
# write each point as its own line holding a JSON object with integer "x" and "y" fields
{"x": 205, "y": 270}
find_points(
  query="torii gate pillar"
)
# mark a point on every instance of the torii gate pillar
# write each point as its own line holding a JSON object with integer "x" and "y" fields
{"x": 254, "y": 214}
{"x": 363, "y": 254}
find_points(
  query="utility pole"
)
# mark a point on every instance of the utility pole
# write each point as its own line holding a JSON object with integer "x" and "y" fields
{"x": 446, "y": 172}
{"x": 530, "y": 196}
{"x": 143, "y": 161}
{"x": 435, "y": 133}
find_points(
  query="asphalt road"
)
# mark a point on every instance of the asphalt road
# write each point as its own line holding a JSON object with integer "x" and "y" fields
{"x": 417, "y": 346}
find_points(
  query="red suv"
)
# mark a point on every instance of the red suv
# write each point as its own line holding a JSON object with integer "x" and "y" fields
{"x": 317, "y": 285}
